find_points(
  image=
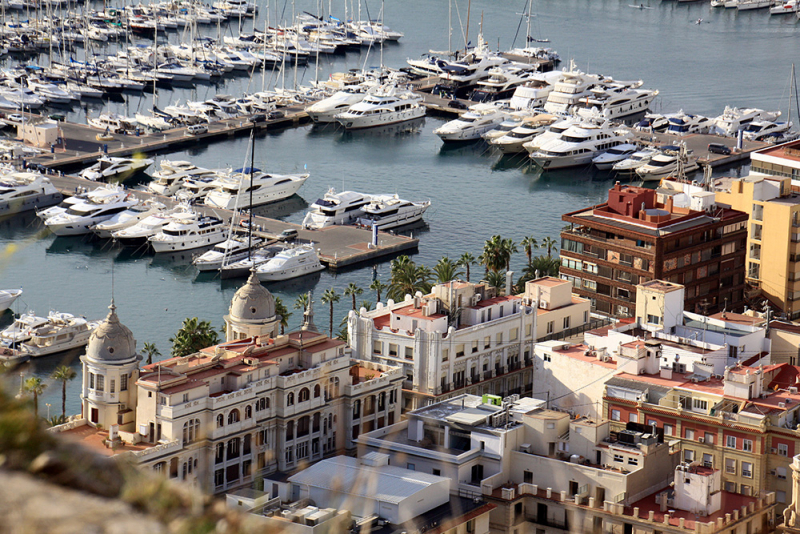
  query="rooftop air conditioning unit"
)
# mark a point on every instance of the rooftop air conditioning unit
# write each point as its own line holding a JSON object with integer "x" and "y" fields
{"x": 701, "y": 440}
{"x": 476, "y": 298}
{"x": 773, "y": 450}
{"x": 781, "y": 405}
{"x": 543, "y": 304}
{"x": 793, "y": 390}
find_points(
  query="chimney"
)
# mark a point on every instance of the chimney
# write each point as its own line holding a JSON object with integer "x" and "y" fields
{"x": 509, "y": 282}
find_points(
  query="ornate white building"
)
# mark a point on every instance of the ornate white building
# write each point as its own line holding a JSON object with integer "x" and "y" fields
{"x": 229, "y": 415}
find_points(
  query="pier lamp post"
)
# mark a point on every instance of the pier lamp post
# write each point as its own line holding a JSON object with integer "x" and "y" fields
{"x": 48, "y": 410}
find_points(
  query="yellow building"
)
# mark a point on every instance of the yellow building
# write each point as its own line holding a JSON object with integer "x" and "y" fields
{"x": 774, "y": 228}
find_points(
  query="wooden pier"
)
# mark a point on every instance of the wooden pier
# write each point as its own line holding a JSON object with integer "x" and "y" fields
{"x": 338, "y": 246}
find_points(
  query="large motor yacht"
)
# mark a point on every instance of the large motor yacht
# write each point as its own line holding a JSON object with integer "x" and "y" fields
{"x": 573, "y": 87}
{"x": 503, "y": 82}
{"x": 113, "y": 123}
{"x": 127, "y": 218}
{"x": 291, "y": 263}
{"x": 336, "y": 208}
{"x": 530, "y": 127}
{"x": 7, "y": 298}
{"x": 109, "y": 168}
{"x": 473, "y": 66}
{"x": 23, "y": 191}
{"x": 196, "y": 187}
{"x": 236, "y": 190}
{"x": 616, "y": 101}
{"x": 231, "y": 250}
{"x": 138, "y": 233}
{"x": 390, "y": 211}
{"x": 762, "y": 130}
{"x": 389, "y": 105}
{"x": 652, "y": 122}
{"x": 667, "y": 163}
{"x": 579, "y": 145}
{"x": 534, "y": 93}
{"x": 325, "y": 110}
{"x": 188, "y": 231}
{"x": 470, "y": 125}
{"x": 681, "y": 124}
{"x": 555, "y": 131}
{"x": 79, "y": 218}
{"x": 734, "y": 119}
{"x": 20, "y": 330}
{"x": 61, "y": 332}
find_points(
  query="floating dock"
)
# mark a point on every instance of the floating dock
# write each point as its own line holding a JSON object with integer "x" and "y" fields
{"x": 338, "y": 246}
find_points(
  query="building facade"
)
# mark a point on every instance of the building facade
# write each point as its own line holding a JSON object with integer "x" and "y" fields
{"x": 635, "y": 237}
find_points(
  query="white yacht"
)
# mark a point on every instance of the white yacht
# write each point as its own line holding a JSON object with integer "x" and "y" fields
{"x": 746, "y": 5}
{"x": 579, "y": 145}
{"x": 325, "y": 110}
{"x": 473, "y": 66}
{"x": 389, "y": 105}
{"x": 290, "y": 263}
{"x": 195, "y": 188}
{"x": 511, "y": 121}
{"x": 763, "y": 129}
{"x": 471, "y": 124}
{"x": 79, "y": 218}
{"x": 614, "y": 155}
{"x": 231, "y": 250}
{"x": 169, "y": 178}
{"x": 109, "y": 168}
{"x": 112, "y": 122}
{"x": 236, "y": 190}
{"x": 568, "y": 91}
{"x": 634, "y": 161}
{"x": 50, "y": 92}
{"x": 246, "y": 263}
{"x": 188, "y": 231}
{"x": 61, "y": 207}
{"x": 534, "y": 93}
{"x": 734, "y": 119}
{"x": 127, "y": 218}
{"x": 23, "y": 191}
{"x": 681, "y": 123}
{"x": 652, "y": 122}
{"x": 530, "y": 127}
{"x": 666, "y": 163}
{"x": 503, "y": 81}
{"x": 61, "y": 332}
{"x": 555, "y": 131}
{"x": 784, "y": 7}
{"x": 616, "y": 101}
{"x": 20, "y": 330}
{"x": 390, "y": 211}
{"x": 7, "y": 298}
{"x": 139, "y": 232}
{"x": 336, "y": 208}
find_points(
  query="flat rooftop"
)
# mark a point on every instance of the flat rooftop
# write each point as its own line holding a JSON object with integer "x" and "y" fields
{"x": 94, "y": 439}
{"x": 661, "y": 285}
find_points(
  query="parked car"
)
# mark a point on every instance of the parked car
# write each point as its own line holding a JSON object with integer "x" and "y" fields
{"x": 258, "y": 118}
{"x": 198, "y": 129}
{"x": 289, "y": 234}
{"x": 719, "y": 148}
{"x": 276, "y": 114}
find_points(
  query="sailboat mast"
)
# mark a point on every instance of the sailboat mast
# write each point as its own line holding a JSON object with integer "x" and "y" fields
{"x": 466, "y": 33}
{"x": 449, "y": 26}
{"x": 252, "y": 162}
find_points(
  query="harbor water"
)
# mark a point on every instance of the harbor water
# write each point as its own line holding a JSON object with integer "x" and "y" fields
{"x": 730, "y": 58}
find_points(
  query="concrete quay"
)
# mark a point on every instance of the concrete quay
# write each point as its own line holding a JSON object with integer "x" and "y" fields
{"x": 338, "y": 246}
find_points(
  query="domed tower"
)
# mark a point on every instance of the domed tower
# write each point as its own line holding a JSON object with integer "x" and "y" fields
{"x": 110, "y": 371}
{"x": 252, "y": 312}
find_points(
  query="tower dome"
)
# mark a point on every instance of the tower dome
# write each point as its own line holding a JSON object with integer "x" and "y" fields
{"x": 111, "y": 341}
{"x": 253, "y": 302}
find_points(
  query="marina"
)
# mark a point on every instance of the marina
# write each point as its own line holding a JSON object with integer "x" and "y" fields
{"x": 466, "y": 184}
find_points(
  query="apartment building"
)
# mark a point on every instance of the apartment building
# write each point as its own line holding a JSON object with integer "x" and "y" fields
{"x": 545, "y": 471}
{"x": 463, "y": 337}
{"x": 773, "y": 247}
{"x": 227, "y": 416}
{"x": 639, "y": 234}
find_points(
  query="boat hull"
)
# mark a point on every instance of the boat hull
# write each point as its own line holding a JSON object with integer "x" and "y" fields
{"x": 176, "y": 246}
{"x": 29, "y": 203}
{"x": 382, "y": 119}
{"x": 288, "y": 274}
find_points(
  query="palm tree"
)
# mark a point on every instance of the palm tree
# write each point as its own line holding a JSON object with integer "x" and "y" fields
{"x": 508, "y": 248}
{"x": 408, "y": 278}
{"x": 330, "y": 297}
{"x": 465, "y": 261}
{"x": 529, "y": 243}
{"x": 301, "y": 302}
{"x": 548, "y": 243}
{"x": 193, "y": 335}
{"x": 446, "y": 270}
{"x": 283, "y": 312}
{"x": 64, "y": 374}
{"x": 377, "y": 286}
{"x": 353, "y": 290}
{"x": 36, "y": 387}
{"x": 366, "y": 304}
{"x": 497, "y": 280}
{"x": 151, "y": 351}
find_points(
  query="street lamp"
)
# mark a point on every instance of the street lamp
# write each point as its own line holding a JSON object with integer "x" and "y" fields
{"x": 48, "y": 410}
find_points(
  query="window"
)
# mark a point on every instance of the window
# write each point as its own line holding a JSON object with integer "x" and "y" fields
{"x": 566, "y": 322}
{"x": 615, "y": 415}
{"x": 688, "y": 433}
{"x": 112, "y": 386}
{"x": 302, "y": 450}
{"x": 290, "y": 399}
{"x": 409, "y": 353}
{"x": 459, "y": 350}
{"x": 100, "y": 383}
{"x": 377, "y": 346}
{"x": 618, "y": 458}
{"x": 499, "y": 338}
{"x": 487, "y": 342}
{"x": 190, "y": 431}
{"x": 261, "y": 438}
{"x": 304, "y": 395}
{"x": 708, "y": 460}
{"x": 688, "y": 455}
{"x": 233, "y": 417}
{"x": 91, "y": 380}
{"x": 669, "y": 430}
{"x": 780, "y": 496}
{"x": 445, "y": 354}
{"x": 392, "y": 352}
{"x": 262, "y": 404}
{"x": 551, "y": 325}
{"x": 220, "y": 421}
{"x": 730, "y": 466}
{"x": 653, "y": 319}
{"x": 780, "y": 472}
{"x": 633, "y": 418}
{"x": 513, "y": 334}
{"x": 747, "y": 469}
{"x": 783, "y": 449}
{"x": 248, "y": 412}
{"x": 745, "y": 490}
{"x": 699, "y": 404}
{"x": 708, "y": 437}
{"x": 747, "y": 445}
{"x": 411, "y": 467}
{"x": 317, "y": 391}
{"x": 730, "y": 442}
{"x": 730, "y": 487}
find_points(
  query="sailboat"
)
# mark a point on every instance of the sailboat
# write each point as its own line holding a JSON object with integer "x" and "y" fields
{"x": 528, "y": 53}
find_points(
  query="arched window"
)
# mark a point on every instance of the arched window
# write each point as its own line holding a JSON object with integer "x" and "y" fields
{"x": 233, "y": 417}
{"x": 290, "y": 430}
{"x": 290, "y": 399}
{"x": 357, "y": 409}
{"x": 304, "y": 395}
{"x": 316, "y": 391}
{"x": 160, "y": 467}
{"x": 248, "y": 412}
{"x": 303, "y": 426}
{"x": 262, "y": 404}
{"x": 316, "y": 422}
{"x": 220, "y": 421}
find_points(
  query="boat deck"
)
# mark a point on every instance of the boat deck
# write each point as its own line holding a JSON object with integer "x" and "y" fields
{"x": 338, "y": 246}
